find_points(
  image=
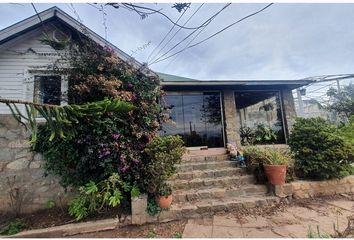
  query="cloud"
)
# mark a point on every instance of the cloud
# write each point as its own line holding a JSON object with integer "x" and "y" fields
{"x": 286, "y": 41}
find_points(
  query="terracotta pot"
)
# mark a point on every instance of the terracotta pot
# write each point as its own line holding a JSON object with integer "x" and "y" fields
{"x": 164, "y": 202}
{"x": 276, "y": 174}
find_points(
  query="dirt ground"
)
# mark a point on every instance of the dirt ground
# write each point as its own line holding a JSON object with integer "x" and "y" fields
{"x": 283, "y": 220}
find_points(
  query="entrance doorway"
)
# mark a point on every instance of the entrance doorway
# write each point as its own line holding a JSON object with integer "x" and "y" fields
{"x": 196, "y": 117}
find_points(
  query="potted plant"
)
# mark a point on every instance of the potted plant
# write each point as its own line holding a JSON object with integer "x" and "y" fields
{"x": 164, "y": 196}
{"x": 275, "y": 165}
{"x": 254, "y": 163}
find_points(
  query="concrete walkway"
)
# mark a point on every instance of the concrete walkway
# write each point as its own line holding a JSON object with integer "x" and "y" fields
{"x": 293, "y": 221}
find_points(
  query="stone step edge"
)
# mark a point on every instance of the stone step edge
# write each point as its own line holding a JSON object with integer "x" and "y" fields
{"x": 195, "y": 180}
{"x": 193, "y": 211}
{"x": 207, "y": 163}
{"x": 184, "y": 175}
{"x": 186, "y": 157}
{"x": 216, "y": 189}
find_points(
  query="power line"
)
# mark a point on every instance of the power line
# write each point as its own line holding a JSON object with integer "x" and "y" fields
{"x": 208, "y": 21}
{"x": 213, "y": 35}
{"x": 152, "y": 11}
{"x": 166, "y": 35}
{"x": 180, "y": 29}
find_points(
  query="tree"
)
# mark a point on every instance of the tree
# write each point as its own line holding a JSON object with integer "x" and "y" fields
{"x": 342, "y": 101}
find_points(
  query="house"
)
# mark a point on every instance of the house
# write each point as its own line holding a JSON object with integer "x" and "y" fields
{"x": 213, "y": 113}
{"x": 206, "y": 113}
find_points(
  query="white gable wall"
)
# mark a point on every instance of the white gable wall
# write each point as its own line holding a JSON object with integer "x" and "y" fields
{"x": 17, "y": 63}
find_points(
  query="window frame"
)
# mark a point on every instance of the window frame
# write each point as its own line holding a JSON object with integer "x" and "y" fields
{"x": 280, "y": 96}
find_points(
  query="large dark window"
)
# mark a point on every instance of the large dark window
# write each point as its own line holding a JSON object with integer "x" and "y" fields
{"x": 47, "y": 89}
{"x": 260, "y": 117}
{"x": 196, "y": 117}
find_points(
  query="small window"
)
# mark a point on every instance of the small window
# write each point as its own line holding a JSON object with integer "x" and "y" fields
{"x": 47, "y": 89}
{"x": 260, "y": 117}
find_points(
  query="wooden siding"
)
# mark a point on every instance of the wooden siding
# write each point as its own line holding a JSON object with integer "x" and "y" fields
{"x": 17, "y": 58}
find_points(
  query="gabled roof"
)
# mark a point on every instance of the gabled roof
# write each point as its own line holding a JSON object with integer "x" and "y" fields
{"x": 173, "y": 80}
{"x": 30, "y": 23}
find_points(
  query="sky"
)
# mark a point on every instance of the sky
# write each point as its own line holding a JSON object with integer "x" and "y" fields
{"x": 286, "y": 41}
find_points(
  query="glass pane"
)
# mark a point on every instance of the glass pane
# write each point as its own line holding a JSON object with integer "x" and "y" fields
{"x": 48, "y": 89}
{"x": 260, "y": 117}
{"x": 193, "y": 120}
{"x": 196, "y": 117}
{"x": 212, "y": 117}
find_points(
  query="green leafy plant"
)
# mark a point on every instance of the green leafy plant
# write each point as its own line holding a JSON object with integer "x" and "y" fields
{"x": 50, "y": 203}
{"x": 151, "y": 234}
{"x": 94, "y": 197}
{"x": 163, "y": 153}
{"x": 342, "y": 101}
{"x": 256, "y": 157}
{"x": 13, "y": 228}
{"x": 320, "y": 152}
{"x": 164, "y": 190}
{"x": 273, "y": 156}
{"x": 263, "y": 134}
{"x": 177, "y": 235}
{"x": 312, "y": 234}
{"x": 135, "y": 192}
{"x": 153, "y": 208}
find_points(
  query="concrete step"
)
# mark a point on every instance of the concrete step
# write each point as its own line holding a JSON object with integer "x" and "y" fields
{"x": 210, "y": 207}
{"x": 198, "y": 158}
{"x": 222, "y": 172}
{"x": 199, "y": 183}
{"x": 218, "y": 193}
{"x": 185, "y": 167}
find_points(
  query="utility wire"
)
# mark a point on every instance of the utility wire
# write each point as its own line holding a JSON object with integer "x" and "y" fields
{"x": 179, "y": 30}
{"x": 138, "y": 8}
{"x": 166, "y": 35}
{"x": 208, "y": 21}
{"x": 213, "y": 35}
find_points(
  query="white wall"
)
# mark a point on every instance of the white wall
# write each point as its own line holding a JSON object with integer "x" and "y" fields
{"x": 17, "y": 63}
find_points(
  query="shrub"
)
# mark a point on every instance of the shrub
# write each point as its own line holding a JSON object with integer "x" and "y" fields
{"x": 347, "y": 132}
{"x": 162, "y": 155}
{"x": 95, "y": 197}
{"x": 320, "y": 152}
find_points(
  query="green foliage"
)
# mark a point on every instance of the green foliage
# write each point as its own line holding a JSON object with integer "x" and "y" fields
{"x": 151, "y": 234}
{"x": 319, "y": 151}
{"x": 259, "y": 135}
{"x": 263, "y": 134}
{"x": 347, "y": 132}
{"x": 177, "y": 235}
{"x": 256, "y": 157}
{"x": 135, "y": 192}
{"x": 342, "y": 101}
{"x": 13, "y": 228}
{"x": 162, "y": 155}
{"x": 153, "y": 208}
{"x": 50, "y": 203}
{"x": 317, "y": 234}
{"x": 274, "y": 156}
{"x": 94, "y": 197}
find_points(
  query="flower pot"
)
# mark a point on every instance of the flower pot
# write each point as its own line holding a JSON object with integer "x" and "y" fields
{"x": 276, "y": 174}
{"x": 164, "y": 202}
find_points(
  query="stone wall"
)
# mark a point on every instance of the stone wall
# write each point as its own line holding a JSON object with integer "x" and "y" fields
{"x": 288, "y": 109}
{"x": 230, "y": 121}
{"x": 307, "y": 189}
{"x": 22, "y": 168}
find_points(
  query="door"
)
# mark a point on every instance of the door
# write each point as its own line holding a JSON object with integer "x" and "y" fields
{"x": 196, "y": 116}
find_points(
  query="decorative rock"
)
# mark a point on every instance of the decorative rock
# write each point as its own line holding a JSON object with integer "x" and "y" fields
{"x": 19, "y": 144}
{"x": 18, "y": 164}
{"x": 35, "y": 164}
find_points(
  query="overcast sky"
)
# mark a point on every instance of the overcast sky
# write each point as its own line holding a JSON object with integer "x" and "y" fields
{"x": 286, "y": 41}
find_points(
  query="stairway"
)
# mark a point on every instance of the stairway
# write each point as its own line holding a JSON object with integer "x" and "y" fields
{"x": 208, "y": 182}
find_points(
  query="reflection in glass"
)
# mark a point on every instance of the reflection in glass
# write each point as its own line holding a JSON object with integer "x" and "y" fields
{"x": 260, "y": 117}
{"x": 196, "y": 117}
